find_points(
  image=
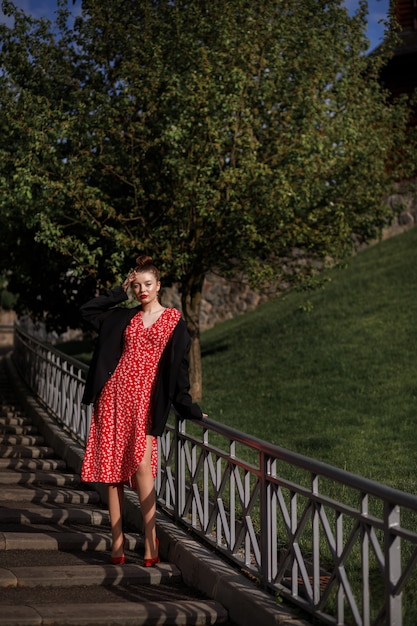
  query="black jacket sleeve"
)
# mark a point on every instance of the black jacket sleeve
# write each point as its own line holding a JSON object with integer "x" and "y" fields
{"x": 110, "y": 321}
{"x": 94, "y": 311}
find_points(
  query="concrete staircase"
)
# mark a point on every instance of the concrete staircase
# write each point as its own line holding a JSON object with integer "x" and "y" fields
{"x": 55, "y": 546}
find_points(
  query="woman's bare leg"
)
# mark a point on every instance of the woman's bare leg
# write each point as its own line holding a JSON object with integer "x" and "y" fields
{"x": 146, "y": 492}
{"x": 115, "y": 500}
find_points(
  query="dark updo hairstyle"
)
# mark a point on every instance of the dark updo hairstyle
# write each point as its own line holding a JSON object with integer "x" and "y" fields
{"x": 144, "y": 263}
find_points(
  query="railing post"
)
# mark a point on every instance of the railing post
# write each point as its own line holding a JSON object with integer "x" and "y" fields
{"x": 366, "y": 613}
{"x": 392, "y": 564}
{"x": 271, "y": 520}
{"x": 316, "y": 540}
{"x": 264, "y": 514}
{"x": 180, "y": 466}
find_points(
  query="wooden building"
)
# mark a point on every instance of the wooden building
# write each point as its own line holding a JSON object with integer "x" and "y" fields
{"x": 400, "y": 74}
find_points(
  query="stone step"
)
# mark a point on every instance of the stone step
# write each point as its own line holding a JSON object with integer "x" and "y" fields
{"x": 11, "y": 418}
{"x": 88, "y": 575}
{"x": 86, "y": 587}
{"x": 40, "y": 477}
{"x": 32, "y": 464}
{"x": 47, "y": 538}
{"x": 14, "y": 420}
{"x": 11, "y": 514}
{"x": 185, "y": 612}
{"x": 21, "y": 440}
{"x": 10, "y": 412}
{"x": 56, "y": 496}
{"x": 17, "y": 429}
{"x": 26, "y": 451}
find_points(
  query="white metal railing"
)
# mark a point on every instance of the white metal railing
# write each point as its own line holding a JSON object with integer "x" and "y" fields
{"x": 56, "y": 379}
{"x": 341, "y": 547}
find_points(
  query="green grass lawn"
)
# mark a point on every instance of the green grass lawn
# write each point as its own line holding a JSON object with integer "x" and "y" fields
{"x": 329, "y": 373}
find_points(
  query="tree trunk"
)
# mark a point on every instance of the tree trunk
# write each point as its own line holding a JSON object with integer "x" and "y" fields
{"x": 191, "y": 301}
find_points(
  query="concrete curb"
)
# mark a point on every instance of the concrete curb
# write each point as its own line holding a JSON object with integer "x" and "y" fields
{"x": 200, "y": 568}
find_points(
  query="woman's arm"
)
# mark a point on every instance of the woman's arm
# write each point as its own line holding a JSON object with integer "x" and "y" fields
{"x": 94, "y": 310}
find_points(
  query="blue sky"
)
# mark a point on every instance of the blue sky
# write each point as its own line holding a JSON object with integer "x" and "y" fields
{"x": 378, "y": 10}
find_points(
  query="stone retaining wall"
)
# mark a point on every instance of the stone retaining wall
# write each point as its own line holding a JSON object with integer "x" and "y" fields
{"x": 222, "y": 299}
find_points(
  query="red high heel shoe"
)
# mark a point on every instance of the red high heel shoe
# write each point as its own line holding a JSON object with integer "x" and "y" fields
{"x": 119, "y": 560}
{"x": 155, "y": 560}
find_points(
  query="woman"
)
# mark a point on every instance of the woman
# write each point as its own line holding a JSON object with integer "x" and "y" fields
{"x": 139, "y": 368}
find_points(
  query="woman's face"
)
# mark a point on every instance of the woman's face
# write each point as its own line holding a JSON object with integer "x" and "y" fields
{"x": 145, "y": 287}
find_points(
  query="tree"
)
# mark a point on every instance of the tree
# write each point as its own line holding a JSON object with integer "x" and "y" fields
{"x": 213, "y": 135}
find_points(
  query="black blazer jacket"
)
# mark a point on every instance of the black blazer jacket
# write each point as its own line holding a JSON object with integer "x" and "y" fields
{"x": 172, "y": 384}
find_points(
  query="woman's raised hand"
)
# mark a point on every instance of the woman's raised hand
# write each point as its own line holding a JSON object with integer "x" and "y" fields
{"x": 128, "y": 281}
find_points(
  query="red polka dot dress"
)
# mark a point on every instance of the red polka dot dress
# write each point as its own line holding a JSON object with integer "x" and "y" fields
{"x": 121, "y": 416}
